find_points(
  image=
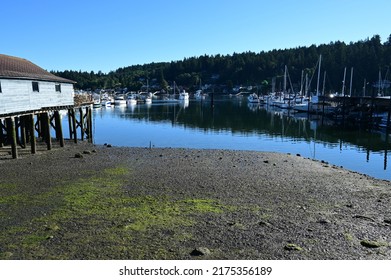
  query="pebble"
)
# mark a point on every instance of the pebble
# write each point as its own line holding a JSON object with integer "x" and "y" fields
{"x": 292, "y": 247}
{"x": 78, "y": 155}
{"x": 324, "y": 221}
{"x": 371, "y": 243}
{"x": 200, "y": 251}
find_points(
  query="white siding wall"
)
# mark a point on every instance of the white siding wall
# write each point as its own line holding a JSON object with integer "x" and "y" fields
{"x": 18, "y": 96}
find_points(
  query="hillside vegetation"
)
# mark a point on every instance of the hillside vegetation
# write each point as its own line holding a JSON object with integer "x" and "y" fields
{"x": 370, "y": 58}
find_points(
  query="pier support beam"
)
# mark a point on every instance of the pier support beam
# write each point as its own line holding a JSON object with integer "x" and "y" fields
{"x": 33, "y": 140}
{"x": 72, "y": 124}
{"x": 58, "y": 127}
{"x": 23, "y": 136}
{"x": 1, "y": 134}
{"x": 74, "y": 127}
{"x": 12, "y": 132}
{"x": 45, "y": 119}
{"x": 89, "y": 124}
{"x": 81, "y": 123}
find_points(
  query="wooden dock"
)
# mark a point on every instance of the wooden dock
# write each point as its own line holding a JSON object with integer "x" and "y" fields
{"x": 24, "y": 129}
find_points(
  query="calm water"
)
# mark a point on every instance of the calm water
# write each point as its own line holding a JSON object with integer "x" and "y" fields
{"x": 235, "y": 124}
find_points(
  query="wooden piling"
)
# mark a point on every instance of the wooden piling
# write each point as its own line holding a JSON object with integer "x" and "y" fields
{"x": 81, "y": 123}
{"x": 16, "y": 120}
{"x": 1, "y": 134}
{"x": 74, "y": 130}
{"x": 58, "y": 127}
{"x": 70, "y": 123}
{"x": 46, "y": 126}
{"x": 89, "y": 124}
{"x": 22, "y": 131}
{"x": 12, "y": 132}
{"x": 33, "y": 140}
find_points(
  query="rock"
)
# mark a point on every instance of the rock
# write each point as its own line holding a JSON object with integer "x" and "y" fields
{"x": 264, "y": 223}
{"x": 78, "y": 155}
{"x": 87, "y": 152}
{"x": 324, "y": 221}
{"x": 372, "y": 243}
{"x": 6, "y": 255}
{"x": 265, "y": 161}
{"x": 109, "y": 146}
{"x": 200, "y": 251}
{"x": 52, "y": 228}
{"x": 292, "y": 247}
{"x": 387, "y": 221}
{"x": 299, "y": 155}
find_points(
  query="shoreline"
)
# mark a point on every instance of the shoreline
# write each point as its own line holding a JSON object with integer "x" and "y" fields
{"x": 166, "y": 203}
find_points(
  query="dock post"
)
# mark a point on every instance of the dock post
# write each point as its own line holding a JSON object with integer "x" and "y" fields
{"x": 59, "y": 134}
{"x": 70, "y": 123}
{"x": 12, "y": 132}
{"x": 17, "y": 121}
{"x": 33, "y": 141}
{"x": 23, "y": 137}
{"x": 89, "y": 123}
{"x": 48, "y": 138}
{"x": 81, "y": 123}
{"x": 39, "y": 125}
{"x": 1, "y": 134}
{"x": 74, "y": 131}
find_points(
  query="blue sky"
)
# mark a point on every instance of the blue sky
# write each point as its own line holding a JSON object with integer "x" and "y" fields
{"x": 93, "y": 35}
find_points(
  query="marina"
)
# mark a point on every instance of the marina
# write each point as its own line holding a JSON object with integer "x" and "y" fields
{"x": 236, "y": 124}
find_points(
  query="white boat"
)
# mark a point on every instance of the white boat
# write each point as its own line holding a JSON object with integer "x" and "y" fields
{"x": 198, "y": 94}
{"x": 119, "y": 101}
{"x": 131, "y": 100}
{"x": 253, "y": 98}
{"x": 96, "y": 103}
{"x": 105, "y": 103}
{"x": 166, "y": 99}
{"x": 183, "y": 95}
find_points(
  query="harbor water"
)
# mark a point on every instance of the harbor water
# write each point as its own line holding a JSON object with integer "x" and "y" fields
{"x": 233, "y": 123}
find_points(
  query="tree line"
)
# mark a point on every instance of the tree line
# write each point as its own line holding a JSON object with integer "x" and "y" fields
{"x": 370, "y": 59}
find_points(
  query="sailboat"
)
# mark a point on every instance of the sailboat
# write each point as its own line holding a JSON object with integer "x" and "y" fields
{"x": 310, "y": 104}
{"x": 199, "y": 94}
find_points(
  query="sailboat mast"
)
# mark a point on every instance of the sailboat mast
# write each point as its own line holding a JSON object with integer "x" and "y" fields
{"x": 284, "y": 92}
{"x": 343, "y": 82}
{"x": 306, "y": 85}
{"x": 351, "y": 80}
{"x": 317, "y": 85}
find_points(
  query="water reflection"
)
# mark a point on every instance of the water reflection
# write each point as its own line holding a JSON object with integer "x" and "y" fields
{"x": 232, "y": 123}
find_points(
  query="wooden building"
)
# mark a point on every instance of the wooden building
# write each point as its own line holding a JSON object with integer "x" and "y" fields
{"x": 25, "y": 86}
{"x": 30, "y": 101}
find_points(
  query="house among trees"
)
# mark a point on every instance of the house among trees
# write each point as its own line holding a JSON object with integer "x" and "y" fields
{"x": 30, "y": 101}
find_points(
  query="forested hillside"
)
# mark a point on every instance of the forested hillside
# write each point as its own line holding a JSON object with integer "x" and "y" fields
{"x": 367, "y": 57}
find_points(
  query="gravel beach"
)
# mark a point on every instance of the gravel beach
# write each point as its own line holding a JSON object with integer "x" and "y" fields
{"x": 101, "y": 202}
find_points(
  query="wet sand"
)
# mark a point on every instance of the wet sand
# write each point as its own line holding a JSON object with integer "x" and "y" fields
{"x": 98, "y": 202}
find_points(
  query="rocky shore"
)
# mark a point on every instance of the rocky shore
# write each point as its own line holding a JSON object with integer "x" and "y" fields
{"x": 102, "y": 202}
